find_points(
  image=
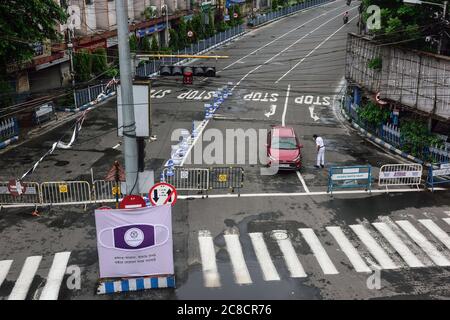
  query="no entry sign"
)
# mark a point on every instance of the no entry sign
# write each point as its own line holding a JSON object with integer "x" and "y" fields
{"x": 15, "y": 188}
{"x": 162, "y": 193}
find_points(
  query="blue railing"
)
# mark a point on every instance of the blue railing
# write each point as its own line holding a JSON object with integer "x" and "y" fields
{"x": 152, "y": 67}
{"x": 284, "y": 11}
{"x": 9, "y": 131}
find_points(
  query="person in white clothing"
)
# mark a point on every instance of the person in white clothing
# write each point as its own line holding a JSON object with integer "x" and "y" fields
{"x": 320, "y": 151}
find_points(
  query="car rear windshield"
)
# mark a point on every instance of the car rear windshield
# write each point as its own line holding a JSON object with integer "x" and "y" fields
{"x": 285, "y": 143}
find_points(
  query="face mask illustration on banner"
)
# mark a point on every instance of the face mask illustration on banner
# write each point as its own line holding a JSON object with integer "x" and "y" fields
{"x": 135, "y": 237}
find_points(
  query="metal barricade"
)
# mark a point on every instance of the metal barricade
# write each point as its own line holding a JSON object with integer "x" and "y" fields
{"x": 438, "y": 175}
{"x": 226, "y": 178}
{"x": 188, "y": 179}
{"x": 30, "y": 196}
{"x": 105, "y": 190}
{"x": 359, "y": 177}
{"x": 400, "y": 175}
{"x": 65, "y": 192}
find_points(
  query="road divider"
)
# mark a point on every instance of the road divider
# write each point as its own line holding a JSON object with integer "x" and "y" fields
{"x": 400, "y": 175}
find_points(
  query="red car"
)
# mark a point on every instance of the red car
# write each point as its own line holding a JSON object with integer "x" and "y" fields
{"x": 283, "y": 148}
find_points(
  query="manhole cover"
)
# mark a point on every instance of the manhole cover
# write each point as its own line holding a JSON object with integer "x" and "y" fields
{"x": 279, "y": 235}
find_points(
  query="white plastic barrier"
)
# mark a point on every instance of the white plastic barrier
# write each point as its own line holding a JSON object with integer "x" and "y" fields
{"x": 400, "y": 175}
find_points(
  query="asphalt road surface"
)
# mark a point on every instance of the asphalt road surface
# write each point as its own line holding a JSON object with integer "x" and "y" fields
{"x": 284, "y": 238}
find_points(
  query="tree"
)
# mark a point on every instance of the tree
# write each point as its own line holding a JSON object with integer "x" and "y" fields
{"x": 211, "y": 30}
{"x": 82, "y": 63}
{"x": 154, "y": 46}
{"x": 198, "y": 26}
{"x": 182, "y": 34}
{"x": 145, "y": 44}
{"x": 23, "y": 23}
{"x": 99, "y": 61}
{"x": 173, "y": 42}
{"x": 133, "y": 43}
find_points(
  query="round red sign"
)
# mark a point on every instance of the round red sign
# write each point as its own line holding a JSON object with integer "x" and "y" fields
{"x": 190, "y": 34}
{"x": 132, "y": 201}
{"x": 16, "y": 188}
{"x": 235, "y": 15}
{"x": 163, "y": 193}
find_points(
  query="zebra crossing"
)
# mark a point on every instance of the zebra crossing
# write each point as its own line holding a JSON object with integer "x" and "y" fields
{"x": 29, "y": 270}
{"x": 385, "y": 245}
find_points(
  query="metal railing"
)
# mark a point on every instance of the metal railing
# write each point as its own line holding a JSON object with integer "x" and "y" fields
{"x": 65, "y": 192}
{"x": 89, "y": 94}
{"x": 400, "y": 175}
{"x": 226, "y": 178}
{"x": 439, "y": 174}
{"x": 147, "y": 68}
{"x": 350, "y": 177}
{"x": 105, "y": 190}
{"x": 9, "y": 127}
{"x": 273, "y": 15}
{"x": 188, "y": 179}
{"x": 31, "y": 195}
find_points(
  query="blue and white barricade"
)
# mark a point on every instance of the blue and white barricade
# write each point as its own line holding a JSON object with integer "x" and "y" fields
{"x": 438, "y": 175}
{"x": 359, "y": 177}
{"x": 135, "y": 284}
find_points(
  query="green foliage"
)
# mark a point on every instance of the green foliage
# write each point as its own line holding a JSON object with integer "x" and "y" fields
{"x": 112, "y": 72}
{"x": 82, "y": 63}
{"x": 154, "y": 47}
{"x": 211, "y": 29}
{"x": 99, "y": 61}
{"x": 375, "y": 63}
{"x": 182, "y": 34}
{"x": 145, "y": 44}
{"x": 373, "y": 114}
{"x": 174, "y": 42}
{"x": 222, "y": 26}
{"x": 149, "y": 13}
{"x": 31, "y": 22}
{"x": 133, "y": 43}
{"x": 274, "y": 4}
{"x": 5, "y": 93}
{"x": 416, "y": 136}
{"x": 198, "y": 27}
{"x": 405, "y": 23}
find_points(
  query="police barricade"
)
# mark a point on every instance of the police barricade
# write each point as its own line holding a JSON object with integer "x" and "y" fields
{"x": 105, "y": 190}
{"x": 65, "y": 192}
{"x": 438, "y": 175}
{"x": 226, "y": 178}
{"x": 400, "y": 175}
{"x": 188, "y": 179}
{"x": 359, "y": 177}
{"x": 31, "y": 194}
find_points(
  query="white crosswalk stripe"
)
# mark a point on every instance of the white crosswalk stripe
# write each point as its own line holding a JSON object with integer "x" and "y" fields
{"x": 211, "y": 276}
{"x": 237, "y": 259}
{"x": 262, "y": 254}
{"x": 436, "y": 231}
{"x": 290, "y": 256}
{"x": 398, "y": 245}
{"x": 422, "y": 242}
{"x": 446, "y": 220}
{"x": 349, "y": 250}
{"x": 4, "y": 269}
{"x": 322, "y": 257}
{"x": 55, "y": 276}
{"x": 374, "y": 248}
{"x": 23, "y": 283}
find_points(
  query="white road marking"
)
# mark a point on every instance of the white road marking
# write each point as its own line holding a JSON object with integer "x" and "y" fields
{"x": 375, "y": 249}
{"x": 287, "y": 48}
{"x": 398, "y": 245}
{"x": 312, "y": 114}
{"x": 290, "y": 256}
{"x": 116, "y": 146}
{"x": 211, "y": 276}
{"x": 5, "y": 265}
{"x": 55, "y": 276}
{"x": 273, "y": 109}
{"x": 278, "y": 38}
{"x": 262, "y": 254}
{"x": 422, "y": 242}
{"x": 436, "y": 231}
{"x": 311, "y": 52}
{"x": 283, "y": 118}
{"x": 446, "y": 220}
{"x": 349, "y": 250}
{"x": 234, "y": 249}
{"x": 319, "y": 252}
{"x": 23, "y": 283}
{"x": 299, "y": 175}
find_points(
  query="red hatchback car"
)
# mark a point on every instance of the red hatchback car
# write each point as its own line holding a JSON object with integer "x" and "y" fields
{"x": 283, "y": 148}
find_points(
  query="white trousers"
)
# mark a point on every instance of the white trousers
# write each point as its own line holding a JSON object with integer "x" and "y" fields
{"x": 321, "y": 156}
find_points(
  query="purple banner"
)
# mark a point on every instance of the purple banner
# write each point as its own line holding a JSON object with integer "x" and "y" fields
{"x": 135, "y": 242}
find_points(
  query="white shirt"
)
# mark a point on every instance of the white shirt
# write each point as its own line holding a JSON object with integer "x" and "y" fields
{"x": 319, "y": 142}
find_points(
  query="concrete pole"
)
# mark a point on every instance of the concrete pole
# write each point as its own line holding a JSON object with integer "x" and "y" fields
{"x": 126, "y": 89}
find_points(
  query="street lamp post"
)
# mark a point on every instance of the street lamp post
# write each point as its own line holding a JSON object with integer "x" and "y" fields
{"x": 166, "y": 33}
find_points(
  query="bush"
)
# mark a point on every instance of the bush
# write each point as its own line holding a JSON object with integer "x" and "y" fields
{"x": 133, "y": 43}
{"x": 82, "y": 63}
{"x": 99, "y": 61}
{"x": 146, "y": 45}
{"x": 174, "y": 42}
{"x": 375, "y": 63}
{"x": 416, "y": 137}
{"x": 373, "y": 114}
